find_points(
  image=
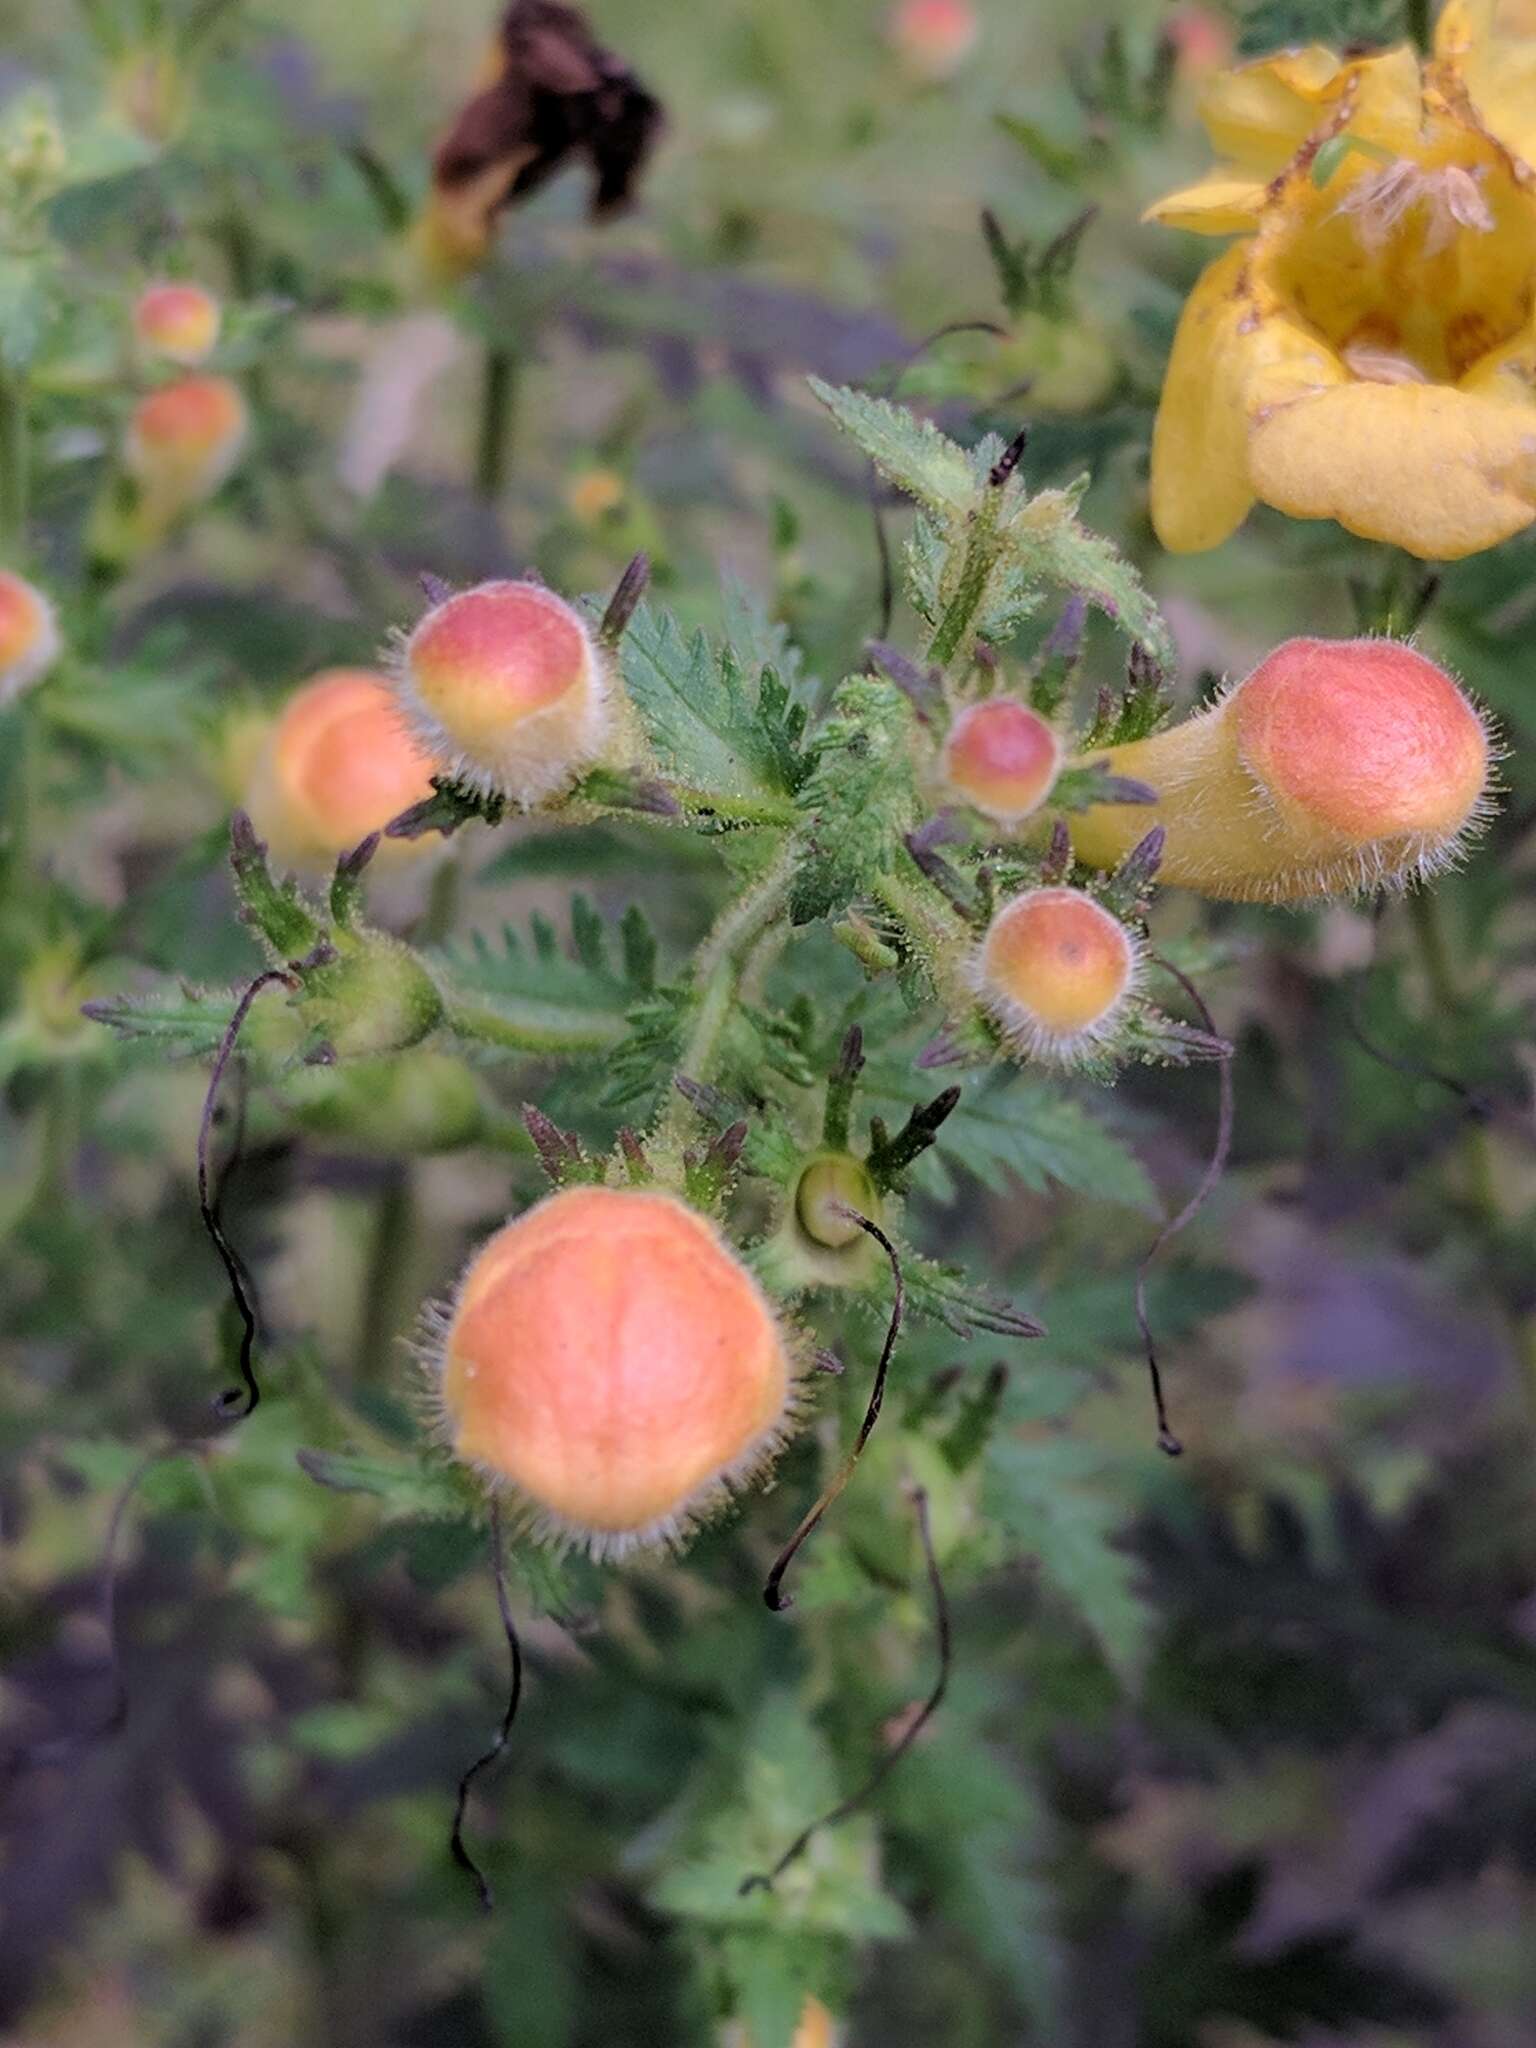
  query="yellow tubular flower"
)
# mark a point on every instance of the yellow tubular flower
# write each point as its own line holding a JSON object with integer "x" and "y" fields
{"x": 1337, "y": 765}
{"x": 1368, "y": 352}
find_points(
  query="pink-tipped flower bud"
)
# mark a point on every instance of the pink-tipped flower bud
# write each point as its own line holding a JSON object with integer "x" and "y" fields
{"x": 505, "y": 685}
{"x": 1002, "y": 759}
{"x": 1054, "y": 972}
{"x": 184, "y": 440}
{"x": 337, "y": 765}
{"x": 30, "y": 642}
{"x": 933, "y": 38}
{"x": 611, "y": 1359}
{"x": 179, "y": 323}
{"x": 1338, "y": 765}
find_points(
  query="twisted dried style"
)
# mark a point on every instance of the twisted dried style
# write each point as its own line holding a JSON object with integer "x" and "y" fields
{"x": 764, "y": 1880}
{"x": 773, "y": 1595}
{"x": 503, "y": 1735}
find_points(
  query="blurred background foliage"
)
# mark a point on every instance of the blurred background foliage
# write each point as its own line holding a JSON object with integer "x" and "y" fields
{"x": 1237, "y": 1750}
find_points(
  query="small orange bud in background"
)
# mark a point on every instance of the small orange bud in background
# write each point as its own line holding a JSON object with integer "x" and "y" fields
{"x": 184, "y": 440}
{"x": 595, "y": 495}
{"x": 816, "y": 2028}
{"x": 933, "y": 38}
{"x": 1001, "y": 758}
{"x": 1337, "y": 765}
{"x": 30, "y": 642}
{"x": 1202, "y": 41}
{"x": 179, "y": 322}
{"x": 505, "y": 686}
{"x": 337, "y": 765}
{"x": 1054, "y": 971}
{"x": 150, "y": 92}
{"x": 611, "y": 1357}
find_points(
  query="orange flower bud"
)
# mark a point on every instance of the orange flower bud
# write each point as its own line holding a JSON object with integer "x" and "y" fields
{"x": 1202, "y": 40}
{"x": 933, "y": 38}
{"x": 1001, "y": 758}
{"x": 179, "y": 322}
{"x": 1054, "y": 971}
{"x": 30, "y": 642}
{"x": 1337, "y": 765}
{"x": 504, "y": 684}
{"x": 611, "y": 1358}
{"x": 595, "y": 495}
{"x": 184, "y": 440}
{"x": 816, "y": 2029}
{"x": 337, "y": 765}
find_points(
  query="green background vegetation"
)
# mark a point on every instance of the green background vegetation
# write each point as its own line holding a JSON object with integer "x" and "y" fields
{"x": 1237, "y": 1750}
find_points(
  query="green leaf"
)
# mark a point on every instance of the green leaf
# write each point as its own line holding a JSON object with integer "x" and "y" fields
{"x": 566, "y": 1000}
{"x": 1047, "y": 1495}
{"x": 728, "y": 737}
{"x": 1051, "y": 544}
{"x": 1017, "y": 1128}
{"x": 778, "y": 1776}
{"x": 191, "y": 1022}
{"x": 907, "y": 451}
{"x": 25, "y": 309}
{"x": 412, "y": 1489}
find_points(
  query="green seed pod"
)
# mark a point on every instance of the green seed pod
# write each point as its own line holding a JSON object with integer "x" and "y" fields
{"x": 373, "y": 997}
{"x": 415, "y": 1102}
{"x": 818, "y": 1243}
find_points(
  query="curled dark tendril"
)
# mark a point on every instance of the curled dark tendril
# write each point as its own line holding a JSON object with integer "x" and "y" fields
{"x": 764, "y": 1880}
{"x": 1166, "y": 1440}
{"x": 773, "y": 1595}
{"x": 488, "y": 1756}
{"x": 235, "y": 1403}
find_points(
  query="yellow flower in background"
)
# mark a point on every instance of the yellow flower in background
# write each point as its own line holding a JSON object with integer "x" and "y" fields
{"x": 1368, "y": 352}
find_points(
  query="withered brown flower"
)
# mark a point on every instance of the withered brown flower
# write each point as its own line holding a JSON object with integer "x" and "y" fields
{"x": 551, "y": 93}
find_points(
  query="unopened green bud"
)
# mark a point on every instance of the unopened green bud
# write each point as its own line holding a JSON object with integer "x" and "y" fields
{"x": 374, "y": 996}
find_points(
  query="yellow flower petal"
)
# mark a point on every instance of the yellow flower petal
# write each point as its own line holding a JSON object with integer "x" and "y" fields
{"x": 1200, "y": 490}
{"x": 1233, "y": 360}
{"x": 1220, "y": 204}
{"x": 1486, "y": 49}
{"x": 1259, "y": 115}
{"x": 1436, "y": 471}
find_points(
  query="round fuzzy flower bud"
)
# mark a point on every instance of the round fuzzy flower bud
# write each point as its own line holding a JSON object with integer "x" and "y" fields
{"x": 1054, "y": 971}
{"x": 337, "y": 765}
{"x": 1001, "y": 758}
{"x": 184, "y": 440}
{"x": 1337, "y": 765}
{"x": 178, "y": 322}
{"x": 933, "y": 38}
{"x": 30, "y": 642}
{"x": 505, "y": 685}
{"x": 611, "y": 1358}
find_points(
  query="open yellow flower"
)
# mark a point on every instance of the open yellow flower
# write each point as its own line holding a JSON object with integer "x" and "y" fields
{"x": 1368, "y": 352}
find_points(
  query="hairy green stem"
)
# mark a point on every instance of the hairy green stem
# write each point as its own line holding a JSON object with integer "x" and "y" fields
{"x": 519, "y": 1025}
{"x": 980, "y": 556}
{"x": 1428, "y": 928}
{"x": 493, "y": 447}
{"x": 1416, "y": 19}
{"x": 718, "y": 968}
{"x": 383, "y": 1312}
{"x": 13, "y": 465}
